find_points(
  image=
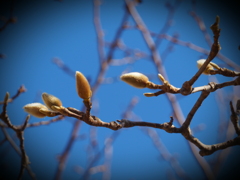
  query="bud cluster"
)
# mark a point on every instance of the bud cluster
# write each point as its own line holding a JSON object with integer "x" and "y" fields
{"x": 53, "y": 105}
{"x": 39, "y": 110}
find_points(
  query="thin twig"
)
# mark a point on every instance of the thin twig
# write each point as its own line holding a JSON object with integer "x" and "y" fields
{"x": 99, "y": 30}
{"x": 169, "y": 20}
{"x": 194, "y": 109}
{"x": 21, "y": 90}
{"x": 64, "y": 67}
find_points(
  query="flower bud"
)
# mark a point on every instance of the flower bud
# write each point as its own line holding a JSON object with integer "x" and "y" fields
{"x": 51, "y": 100}
{"x": 34, "y": 108}
{"x": 6, "y": 97}
{"x": 83, "y": 87}
{"x": 209, "y": 67}
{"x": 135, "y": 79}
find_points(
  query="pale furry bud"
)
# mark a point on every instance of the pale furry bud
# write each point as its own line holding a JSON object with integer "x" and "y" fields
{"x": 33, "y": 109}
{"x": 51, "y": 100}
{"x": 135, "y": 79}
{"x": 83, "y": 87}
{"x": 209, "y": 67}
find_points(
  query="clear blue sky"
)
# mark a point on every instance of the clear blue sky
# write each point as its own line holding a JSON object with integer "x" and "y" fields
{"x": 49, "y": 29}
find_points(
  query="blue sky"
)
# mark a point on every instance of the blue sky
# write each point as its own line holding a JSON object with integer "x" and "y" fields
{"x": 65, "y": 30}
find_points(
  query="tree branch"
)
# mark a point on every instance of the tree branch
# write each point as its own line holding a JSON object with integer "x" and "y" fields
{"x": 209, "y": 149}
{"x": 187, "y": 86}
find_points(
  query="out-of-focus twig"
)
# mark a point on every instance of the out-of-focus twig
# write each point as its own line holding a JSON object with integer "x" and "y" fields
{"x": 190, "y": 45}
{"x": 99, "y": 30}
{"x": 96, "y": 84}
{"x": 169, "y": 20}
{"x": 109, "y": 143}
{"x": 157, "y": 61}
{"x": 104, "y": 65}
{"x": 63, "y": 157}
{"x": 164, "y": 153}
{"x": 21, "y": 90}
{"x": 64, "y": 67}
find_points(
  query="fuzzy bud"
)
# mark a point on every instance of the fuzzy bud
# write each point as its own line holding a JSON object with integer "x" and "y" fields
{"x": 209, "y": 67}
{"x": 135, "y": 79}
{"x": 6, "y": 97}
{"x": 34, "y": 108}
{"x": 83, "y": 87}
{"x": 51, "y": 100}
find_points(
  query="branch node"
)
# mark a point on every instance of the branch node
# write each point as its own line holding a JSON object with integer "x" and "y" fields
{"x": 186, "y": 88}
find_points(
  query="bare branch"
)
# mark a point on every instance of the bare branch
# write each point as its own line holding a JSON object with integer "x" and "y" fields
{"x": 187, "y": 86}
{"x": 225, "y": 72}
{"x": 209, "y": 149}
{"x": 25, "y": 160}
{"x": 59, "y": 118}
{"x": 168, "y": 127}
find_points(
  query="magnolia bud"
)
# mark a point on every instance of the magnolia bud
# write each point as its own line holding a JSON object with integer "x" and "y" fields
{"x": 6, "y": 97}
{"x": 209, "y": 67}
{"x": 34, "y": 108}
{"x": 83, "y": 87}
{"x": 51, "y": 100}
{"x": 135, "y": 79}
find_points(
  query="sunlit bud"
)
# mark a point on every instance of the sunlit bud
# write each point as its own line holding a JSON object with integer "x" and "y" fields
{"x": 83, "y": 87}
{"x": 51, "y": 100}
{"x": 34, "y": 108}
{"x": 135, "y": 79}
{"x": 209, "y": 67}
